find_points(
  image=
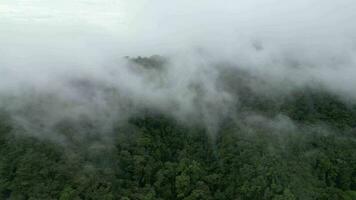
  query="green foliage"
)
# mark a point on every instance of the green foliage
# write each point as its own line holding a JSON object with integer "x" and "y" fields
{"x": 154, "y": 157}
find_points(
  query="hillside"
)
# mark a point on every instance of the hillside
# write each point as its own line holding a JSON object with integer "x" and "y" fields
{"x": 299, "y": 145}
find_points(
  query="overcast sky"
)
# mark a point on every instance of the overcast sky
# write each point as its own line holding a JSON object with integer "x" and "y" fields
{"x": 161, "y": 24}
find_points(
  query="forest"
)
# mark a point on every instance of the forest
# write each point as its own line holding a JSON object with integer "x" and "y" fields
{"x": 298, "y": 146}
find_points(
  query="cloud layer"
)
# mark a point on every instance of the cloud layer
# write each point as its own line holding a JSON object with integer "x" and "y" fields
{"x": 64, "y": 59}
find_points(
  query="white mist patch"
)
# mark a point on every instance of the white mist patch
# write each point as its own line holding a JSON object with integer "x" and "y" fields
{"x": 72, "y": 51}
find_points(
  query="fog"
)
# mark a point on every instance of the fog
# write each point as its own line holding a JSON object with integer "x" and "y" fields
{"x": 64, "y": 60}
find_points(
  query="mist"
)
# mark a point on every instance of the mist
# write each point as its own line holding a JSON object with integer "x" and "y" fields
{"x": 67, "y": 60}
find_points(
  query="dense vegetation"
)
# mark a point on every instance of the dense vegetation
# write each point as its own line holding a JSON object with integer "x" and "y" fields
{"x": 303, "y": 147}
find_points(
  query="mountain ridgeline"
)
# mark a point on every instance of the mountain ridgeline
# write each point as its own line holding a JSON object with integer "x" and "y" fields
{"x": 298, "y": 145}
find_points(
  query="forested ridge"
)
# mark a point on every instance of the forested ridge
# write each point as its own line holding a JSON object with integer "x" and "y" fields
{"x": 299, "y": 146}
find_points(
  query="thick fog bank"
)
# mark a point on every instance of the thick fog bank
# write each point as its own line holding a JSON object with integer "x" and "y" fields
{"x": 66, "y": 60}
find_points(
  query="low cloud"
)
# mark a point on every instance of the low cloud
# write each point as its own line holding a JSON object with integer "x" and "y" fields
{"x": 65, "y": 60}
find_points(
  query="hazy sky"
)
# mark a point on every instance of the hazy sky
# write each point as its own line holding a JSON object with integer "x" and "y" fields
{"x": 41, "y": 37}
{"x": 159, "y": 23}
